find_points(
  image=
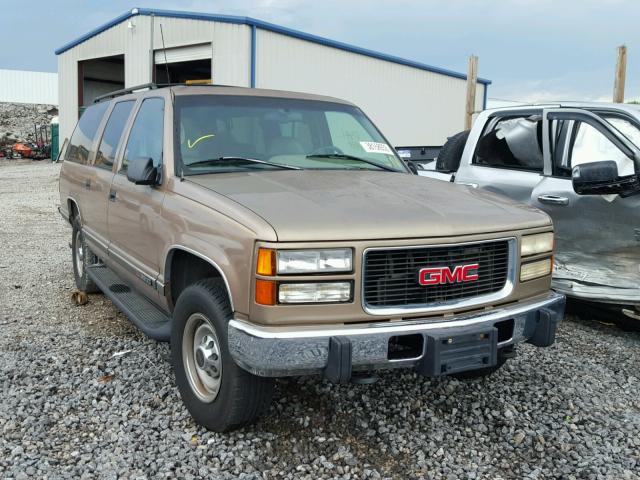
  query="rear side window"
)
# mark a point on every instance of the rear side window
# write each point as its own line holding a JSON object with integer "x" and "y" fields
{"x": 84, "y": 134}
{"x": 146, "y": 137}
{"x": 112, "y": 133}
{"x": 512, "y": 143}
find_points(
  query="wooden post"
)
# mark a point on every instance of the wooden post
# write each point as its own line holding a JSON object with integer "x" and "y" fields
{"x": 621, "y": 73}
{"x": 472, "y": 81}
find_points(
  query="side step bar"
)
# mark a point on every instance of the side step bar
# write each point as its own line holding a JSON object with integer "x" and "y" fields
{"x": 143, "y": 314}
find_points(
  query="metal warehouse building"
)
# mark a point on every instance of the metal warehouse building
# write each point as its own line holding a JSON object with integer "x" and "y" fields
{"x": 19, "y": 86}
{"x": 413, "y": 104}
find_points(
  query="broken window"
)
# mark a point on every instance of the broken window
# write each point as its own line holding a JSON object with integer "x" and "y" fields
{"x": 513, "y": 143}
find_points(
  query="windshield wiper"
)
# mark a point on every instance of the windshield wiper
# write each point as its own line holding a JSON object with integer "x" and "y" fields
{"x": 212, "y": 161}
{"x": 352, "y": 157}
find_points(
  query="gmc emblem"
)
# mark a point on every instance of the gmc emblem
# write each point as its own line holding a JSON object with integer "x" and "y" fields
{"x": 444, "y": 275}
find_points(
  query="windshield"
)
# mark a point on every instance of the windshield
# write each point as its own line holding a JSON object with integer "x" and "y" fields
{"x": 217, "y": 132}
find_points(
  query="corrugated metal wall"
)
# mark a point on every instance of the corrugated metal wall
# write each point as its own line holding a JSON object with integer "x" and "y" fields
{"x": 18, "y": 86}
{"x": 410, "y": 106}
{"x": 230, "y": 64}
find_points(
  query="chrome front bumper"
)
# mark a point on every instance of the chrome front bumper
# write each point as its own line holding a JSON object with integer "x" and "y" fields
{"x": 288, "y": 351}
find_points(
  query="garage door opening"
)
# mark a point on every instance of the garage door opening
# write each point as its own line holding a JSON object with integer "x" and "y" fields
{"x": 184, "y": 64}
{"x": 99, "y": 76}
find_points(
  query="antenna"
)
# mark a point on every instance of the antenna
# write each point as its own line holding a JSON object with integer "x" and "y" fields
{"x": 164, "y": 50}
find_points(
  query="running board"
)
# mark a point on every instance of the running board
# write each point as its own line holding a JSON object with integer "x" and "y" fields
{"x": 143, "y": 314}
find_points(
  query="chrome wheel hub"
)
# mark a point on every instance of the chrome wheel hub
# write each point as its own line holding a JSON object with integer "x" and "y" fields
{"x": 79, "y": 254}
{"x": 201, "y": 357}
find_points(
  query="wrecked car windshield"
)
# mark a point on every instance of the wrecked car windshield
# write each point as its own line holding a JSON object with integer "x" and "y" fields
{"x": 306, "y": 134}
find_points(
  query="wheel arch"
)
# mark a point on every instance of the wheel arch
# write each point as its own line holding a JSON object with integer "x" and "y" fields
{"x": 73, "y": 209}
{"x": 176, "y": 277}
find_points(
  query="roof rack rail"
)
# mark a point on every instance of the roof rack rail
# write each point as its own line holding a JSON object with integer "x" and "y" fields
{"x": 125, "y": 91}
{"x": 152, "y": 86}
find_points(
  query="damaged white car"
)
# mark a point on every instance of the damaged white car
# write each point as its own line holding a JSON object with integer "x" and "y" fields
{"x": 580, "y": 163}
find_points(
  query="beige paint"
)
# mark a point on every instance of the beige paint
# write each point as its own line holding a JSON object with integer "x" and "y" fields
{"x": 225, "y": 217}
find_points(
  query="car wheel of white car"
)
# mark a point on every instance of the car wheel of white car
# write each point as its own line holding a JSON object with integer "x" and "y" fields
{"x": 451, "y": 153}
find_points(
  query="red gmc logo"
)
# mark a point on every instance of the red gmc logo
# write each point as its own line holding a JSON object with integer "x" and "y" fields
{"x": 444, "y": 275}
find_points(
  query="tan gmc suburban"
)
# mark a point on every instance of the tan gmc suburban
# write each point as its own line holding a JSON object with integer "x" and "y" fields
{"x": 267, "y": 234}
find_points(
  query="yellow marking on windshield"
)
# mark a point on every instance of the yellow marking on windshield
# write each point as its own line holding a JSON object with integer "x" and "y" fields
{"x": 191, "y": 145}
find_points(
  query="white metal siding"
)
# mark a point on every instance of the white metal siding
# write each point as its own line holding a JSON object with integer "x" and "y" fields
{"x": 410, "y": 106}
{"x": 18, "y": 86}
{"x": 231, "y": 51}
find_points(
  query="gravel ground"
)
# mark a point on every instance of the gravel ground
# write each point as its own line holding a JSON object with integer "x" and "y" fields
{"x": 69, "y": 407}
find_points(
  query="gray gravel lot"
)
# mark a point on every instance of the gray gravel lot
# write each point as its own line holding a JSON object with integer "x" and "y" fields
{"x": 69, "y": 408}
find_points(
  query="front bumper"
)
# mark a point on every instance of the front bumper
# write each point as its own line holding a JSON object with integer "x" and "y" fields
{"x": 465, "y": 342}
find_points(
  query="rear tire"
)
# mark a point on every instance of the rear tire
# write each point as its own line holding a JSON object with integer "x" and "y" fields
{"x": 219, "y": 394}
{"x": 451, "y": 153}
{"x": 82, "y": 258}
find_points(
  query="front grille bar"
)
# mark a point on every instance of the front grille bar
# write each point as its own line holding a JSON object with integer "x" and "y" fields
{"x": 390, "y": 276}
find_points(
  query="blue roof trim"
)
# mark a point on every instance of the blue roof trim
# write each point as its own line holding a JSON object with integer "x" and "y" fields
{"x": 265, "y": 26}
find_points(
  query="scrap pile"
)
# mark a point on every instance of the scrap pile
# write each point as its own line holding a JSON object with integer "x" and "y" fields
{"x": 25, "y": 130}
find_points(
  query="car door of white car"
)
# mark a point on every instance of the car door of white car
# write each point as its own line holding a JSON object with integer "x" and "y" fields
{"x": 597, "y": 236}
{"x": 507, "y": 157}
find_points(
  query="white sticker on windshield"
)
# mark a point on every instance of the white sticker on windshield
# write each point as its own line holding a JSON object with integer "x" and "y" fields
{"x": 404, "y": 153}
{"x": 375, "y": 147}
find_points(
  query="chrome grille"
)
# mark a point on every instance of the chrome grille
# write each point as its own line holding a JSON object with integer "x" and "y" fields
{"x": 390, "y": 276}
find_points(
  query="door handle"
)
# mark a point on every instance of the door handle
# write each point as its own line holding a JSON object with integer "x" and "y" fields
{"x": 553, "y": 200}
{"x": 112, "y": 195}
{"x": 87, "y": 184}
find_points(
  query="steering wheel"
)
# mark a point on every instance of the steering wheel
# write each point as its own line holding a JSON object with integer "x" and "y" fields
{"x": 328, "y": 150}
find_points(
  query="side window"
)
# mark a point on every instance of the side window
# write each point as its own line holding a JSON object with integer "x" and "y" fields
{"x": 512, "y": 143}
{"x": 589, "y": 145}
{"x": 146, "y": 137}
{"x": 112, "y": 133}
{"x": 82, "y": 139}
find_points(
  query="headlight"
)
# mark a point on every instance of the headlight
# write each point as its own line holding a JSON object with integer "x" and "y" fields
{"x": 534, "y": 244}
{"x": 314, "y": 261}
{"x": 325, "y": 292}
{"x": 529, "y": 271}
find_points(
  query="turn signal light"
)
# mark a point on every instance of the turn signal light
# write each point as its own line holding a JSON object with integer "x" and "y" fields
{"x": 265, "y": 292}
{"x": 266, "y": 262}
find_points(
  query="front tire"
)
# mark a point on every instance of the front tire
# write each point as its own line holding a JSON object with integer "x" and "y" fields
{"x": 219, "y": 394}
{"x": 82, "y": 258}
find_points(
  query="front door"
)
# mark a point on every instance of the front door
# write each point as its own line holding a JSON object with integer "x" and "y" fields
{"x": 597, "y": 236}
{"x": 134, "y": 210}
{"x": 508, "y": 156}
{"x": 96, "y": 211}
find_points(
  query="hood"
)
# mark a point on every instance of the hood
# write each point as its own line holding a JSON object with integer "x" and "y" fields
{"x": 319, "y": 205}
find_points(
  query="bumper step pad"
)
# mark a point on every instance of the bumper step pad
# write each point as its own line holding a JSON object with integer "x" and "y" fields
{"x": 143, "y": 314}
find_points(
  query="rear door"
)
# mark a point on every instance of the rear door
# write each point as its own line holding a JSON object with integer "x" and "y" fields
{"x": 507, "y": 158}
{"x": 134, "y": 210}
{"x": 78, "y": 177}
{"x": 597, "y": 236}
{"x": 102, "y": 175}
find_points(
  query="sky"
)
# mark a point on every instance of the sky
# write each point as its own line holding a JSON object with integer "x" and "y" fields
{"x": 531, "y": 50}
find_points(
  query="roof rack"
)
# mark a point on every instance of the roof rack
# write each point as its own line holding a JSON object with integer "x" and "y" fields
{"x": 125, "y": 91}
{"x": 152, "y": 86}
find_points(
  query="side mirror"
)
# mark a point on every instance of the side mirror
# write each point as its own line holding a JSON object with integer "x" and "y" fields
{"x": 601, "y": 178}
{"x": 142, "y": 172}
